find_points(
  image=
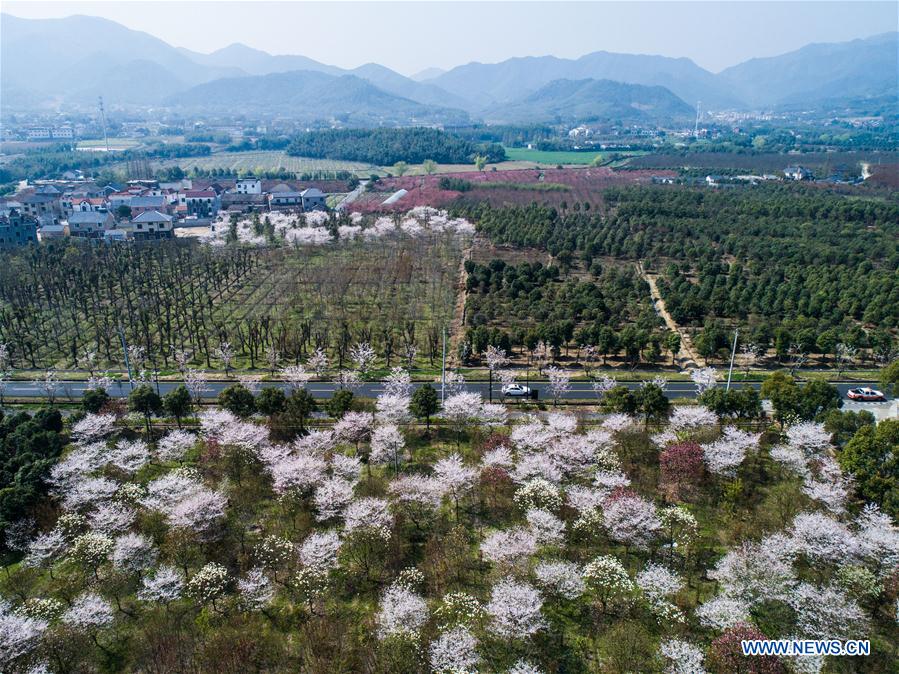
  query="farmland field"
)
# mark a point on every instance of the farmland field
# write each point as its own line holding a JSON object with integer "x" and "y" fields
{"x": 392, "y": 293}
{"x": 114, "y": 144}
{"x": 560, "y": 187}
{"x": 822, "y": 163}
{"x": 546, "y": 157}
{"x": 268, "y": 160}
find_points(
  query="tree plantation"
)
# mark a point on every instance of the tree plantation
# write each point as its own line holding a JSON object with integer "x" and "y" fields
{"x": 797, "y": 268}
{"x": 225, "y": 305}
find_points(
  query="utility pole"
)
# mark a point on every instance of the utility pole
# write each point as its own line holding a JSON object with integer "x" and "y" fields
{"x": 443, "y": 369}
{"x": 733, "y": 353}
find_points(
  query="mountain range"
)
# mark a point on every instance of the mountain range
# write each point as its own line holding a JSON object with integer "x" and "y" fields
{"x": 71, "y": 61}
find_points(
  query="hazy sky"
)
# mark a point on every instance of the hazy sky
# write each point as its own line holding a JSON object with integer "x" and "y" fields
{"x": 411, "y": 36}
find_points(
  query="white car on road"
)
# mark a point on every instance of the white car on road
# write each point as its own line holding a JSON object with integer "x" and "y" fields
{"x": 516, "y": 390}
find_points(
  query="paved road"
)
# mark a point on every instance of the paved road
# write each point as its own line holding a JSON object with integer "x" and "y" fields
{"x": 580, "y": 390}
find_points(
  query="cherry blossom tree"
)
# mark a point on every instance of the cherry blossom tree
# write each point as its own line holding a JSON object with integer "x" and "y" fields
{"x": 402, "y": 613}
{"x": 19, "y": 636}
{"x": 225, "y": 353}
{"x": 387, "y": 444}
{"x": 630, "y": 519}
{"x": 398, "y": 383}
{"x": 454, "y": 652}
{"x": 93, "y": 427}
{"x": 89, "y": 612}
{"x": 564, "y": 579}
{"x": 295, "y": 376}
{"x": 348, "y": 379}
{"x": 725, "y": 455}
{"x": 174, "y": 445}
{"x": 369, "y": 514}
{"x": 455, "y": 478}
{"x": 682, "y": 657}
{"x": 603, "y": 385}
{"x": 559, "y": 382}
{"x": 418, "y": 496}
{"x": 514, "y": 609}
{"x": 723, "y": 612}
{"x": 393, "y": 409}
{"x": 705, "y": 378}
{"x": 363, "y": 357}
{"x": 509, "y": 547}
{"x": 255, "y": 591}
{"x": 546, "y": 527}
{"x": 757, "y": 571}
{"x": 657, "y": 582}
{"x": 455, "y": 383}
{"x": 196, "y": 384}
{"x": 319, "y": 550}
{"x": 164, "y": 586}
{"x": 496, "y": 359}
{"x": 318, "y": 362}
{"x": 688, "y": 417}
{"x": 272, "y": 358}
{"x": 332, "y": 496}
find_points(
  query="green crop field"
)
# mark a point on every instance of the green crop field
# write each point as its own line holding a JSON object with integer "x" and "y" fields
{"x": 263, "y": 160}
{"x": 542, "y": 157}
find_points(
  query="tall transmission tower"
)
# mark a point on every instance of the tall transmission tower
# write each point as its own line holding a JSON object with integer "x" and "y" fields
{"x": 103, "y": 122}
{"x": 698, "y": 117}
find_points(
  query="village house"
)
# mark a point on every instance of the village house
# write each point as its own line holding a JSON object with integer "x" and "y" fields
{"x": 797, "y": 173}
{"x": 149, "y": 225}
{"x": 285, "y": 200}
{"x": 38, "y": 205}
{"x": 17, "y": 229}
{"x": 202, "y": 203}
{"x": 90, "y": 224}
{"x": 249, "y": 186}
{"x": 143, "y": 204}
{"x": 313, "y": 199}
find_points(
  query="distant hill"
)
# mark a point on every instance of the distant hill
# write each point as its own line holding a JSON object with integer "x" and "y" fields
{"x": 309, "y": 95}
{"x": 257, "y": 62}
{"x": 238, "y": 56}
{"x": 427, "y": 74}
{"x": 51, "y": 62}
{"x": 819, "y": 72}
{"x": 576, "y": 101}
{"x": 489, "y": 85}
{"x": 54, "y": 59}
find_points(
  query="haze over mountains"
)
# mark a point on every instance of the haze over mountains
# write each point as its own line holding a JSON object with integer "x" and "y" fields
{"x": 131, "y": 68}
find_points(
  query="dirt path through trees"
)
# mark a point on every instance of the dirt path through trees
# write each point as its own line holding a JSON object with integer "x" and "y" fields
{"x": 687, "y": 357}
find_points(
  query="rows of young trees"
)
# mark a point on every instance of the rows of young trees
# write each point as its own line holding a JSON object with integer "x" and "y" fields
{"x": 72, "y": 303}
{"x": 527, "y": 305}
{"x": 767, "y": 258}
{"x": 384, "y": 147}
{"x": 178, "y": 304}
